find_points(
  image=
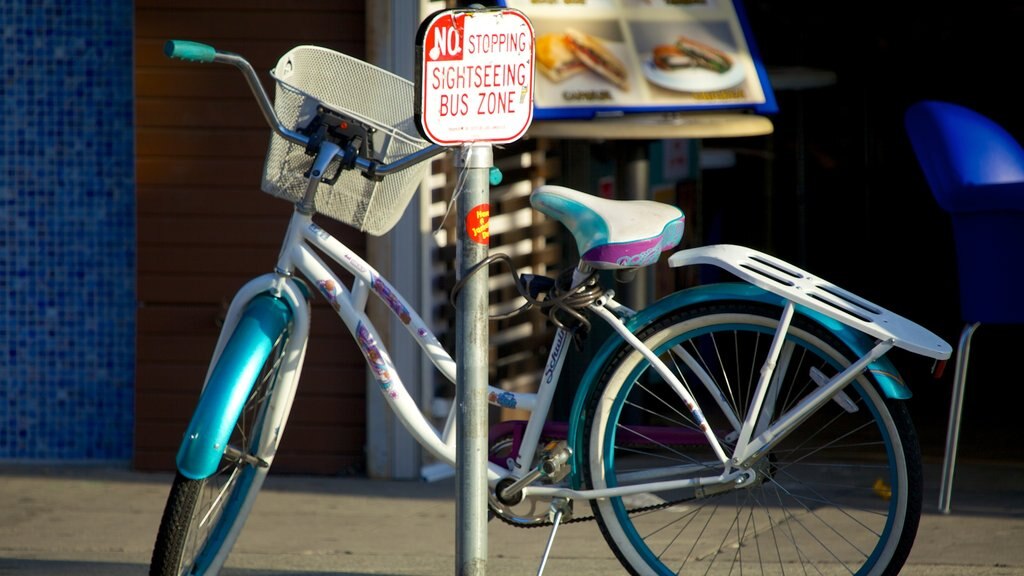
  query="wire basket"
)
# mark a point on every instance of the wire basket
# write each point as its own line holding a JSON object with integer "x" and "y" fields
{"x": 310, "y": 76}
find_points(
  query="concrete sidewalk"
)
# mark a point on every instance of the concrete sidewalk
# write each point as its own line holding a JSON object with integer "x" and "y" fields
{"x": 101, "y": 520}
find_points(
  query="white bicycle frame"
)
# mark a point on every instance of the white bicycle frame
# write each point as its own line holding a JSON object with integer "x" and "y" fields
{"x": 755, "y": 434}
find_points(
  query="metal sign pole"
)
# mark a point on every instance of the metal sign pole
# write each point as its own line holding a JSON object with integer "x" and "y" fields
{"x": 473, "y": 239}
{"x": 475, "y": 73}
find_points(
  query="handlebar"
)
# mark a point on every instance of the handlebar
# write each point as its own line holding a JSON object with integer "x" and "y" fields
{"x": 190, "y": 51}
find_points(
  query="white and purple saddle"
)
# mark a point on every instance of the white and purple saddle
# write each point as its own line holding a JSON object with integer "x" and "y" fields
{"x": 612, "y": 234}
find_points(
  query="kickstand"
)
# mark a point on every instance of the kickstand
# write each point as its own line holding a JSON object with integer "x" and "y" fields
{"x": 559, "y": 506}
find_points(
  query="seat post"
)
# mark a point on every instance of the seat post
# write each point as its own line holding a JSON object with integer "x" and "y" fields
{"x": 955, "y": 412}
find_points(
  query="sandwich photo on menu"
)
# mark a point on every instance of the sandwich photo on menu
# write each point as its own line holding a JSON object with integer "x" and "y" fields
{"x": 555, "y": 59}
{"x": 687, "y": 53}
{"x": 688, "y": 65}
{"x": 566, "y": 54}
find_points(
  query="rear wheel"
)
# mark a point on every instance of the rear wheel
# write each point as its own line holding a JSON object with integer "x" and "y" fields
{"x": 202, "y": 517}
{"x": 840, "y": 495}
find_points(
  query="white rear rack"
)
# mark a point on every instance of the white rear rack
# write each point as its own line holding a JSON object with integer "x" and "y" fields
{"x": 805, "y": 289}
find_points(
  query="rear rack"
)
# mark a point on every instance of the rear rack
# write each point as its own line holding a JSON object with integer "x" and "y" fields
{"x": 805, "y": 289}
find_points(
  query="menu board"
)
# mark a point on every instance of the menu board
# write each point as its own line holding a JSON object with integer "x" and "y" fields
{"x": 612, "y": 57}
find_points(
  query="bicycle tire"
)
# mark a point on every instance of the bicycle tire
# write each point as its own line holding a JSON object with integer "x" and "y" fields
{"x": 203, "y": 517}
{"x": 840, "y": 495}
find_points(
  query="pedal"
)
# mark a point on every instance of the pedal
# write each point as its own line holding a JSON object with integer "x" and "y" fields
{"x": 554, "y": 460}
{"x": 553, "y": 466}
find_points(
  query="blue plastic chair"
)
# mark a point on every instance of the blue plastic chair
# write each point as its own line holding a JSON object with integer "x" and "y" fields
{"x": 975, "y": 170}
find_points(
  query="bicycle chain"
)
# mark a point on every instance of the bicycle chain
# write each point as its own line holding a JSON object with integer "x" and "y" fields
{"x": 576, "y": 520}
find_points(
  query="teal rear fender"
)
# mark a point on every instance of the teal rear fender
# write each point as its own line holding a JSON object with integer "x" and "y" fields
{"x": 889, "y": 380}
{"x": 262, "y": 322}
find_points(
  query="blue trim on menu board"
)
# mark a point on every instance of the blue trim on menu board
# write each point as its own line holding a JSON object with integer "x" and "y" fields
{"x": 770, "y": 106}
{"x": 664, "y": 90}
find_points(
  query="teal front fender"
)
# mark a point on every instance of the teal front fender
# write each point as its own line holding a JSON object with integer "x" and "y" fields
{"x": 262, "y": 322}
{"x": 885, "y": 373}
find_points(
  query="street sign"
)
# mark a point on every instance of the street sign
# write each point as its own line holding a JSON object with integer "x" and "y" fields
{"x": 475, "y": 72}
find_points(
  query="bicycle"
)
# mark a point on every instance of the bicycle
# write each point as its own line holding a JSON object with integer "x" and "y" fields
{"x": 752, "y": 424}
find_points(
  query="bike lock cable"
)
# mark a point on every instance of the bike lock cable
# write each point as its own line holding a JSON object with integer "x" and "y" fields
{"x": 558, "y": 299}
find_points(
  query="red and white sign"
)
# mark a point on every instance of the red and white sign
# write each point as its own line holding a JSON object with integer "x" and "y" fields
{"x": 476, "y": 81}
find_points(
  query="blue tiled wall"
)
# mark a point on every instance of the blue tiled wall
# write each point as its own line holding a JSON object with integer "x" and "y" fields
{"x": 67, "y": 247}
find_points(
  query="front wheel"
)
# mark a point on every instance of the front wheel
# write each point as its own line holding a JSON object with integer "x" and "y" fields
{"x": 203, "y": 517}
{"x": 839, "y": 495}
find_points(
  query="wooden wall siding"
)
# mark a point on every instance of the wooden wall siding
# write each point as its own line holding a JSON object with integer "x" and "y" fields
{"x": 518, "y": 345}
{"x": 204, "y": 226}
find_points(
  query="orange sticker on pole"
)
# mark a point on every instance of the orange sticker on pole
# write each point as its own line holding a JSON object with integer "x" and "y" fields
{"x": 478, "y": 224}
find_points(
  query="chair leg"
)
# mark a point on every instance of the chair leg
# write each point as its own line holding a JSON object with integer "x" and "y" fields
{"x": 955, "y": 411}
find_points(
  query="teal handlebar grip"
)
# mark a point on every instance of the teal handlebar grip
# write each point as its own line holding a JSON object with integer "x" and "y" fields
{"x": 188, "y": 50}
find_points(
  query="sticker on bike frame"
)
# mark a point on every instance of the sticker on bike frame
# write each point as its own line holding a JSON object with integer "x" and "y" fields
{"x": 381, "y": 287}
{"x": 478, "y": 224}
{"x": 330, "y": 292}
{"x": 375, "y": 359}
{"x": 504, "y": 399}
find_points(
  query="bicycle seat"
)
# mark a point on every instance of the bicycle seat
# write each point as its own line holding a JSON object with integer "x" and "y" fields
{"x": 612, "y": 234}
